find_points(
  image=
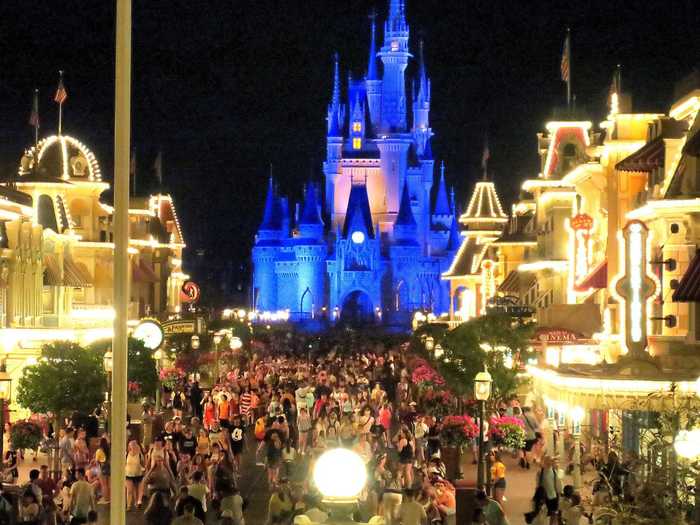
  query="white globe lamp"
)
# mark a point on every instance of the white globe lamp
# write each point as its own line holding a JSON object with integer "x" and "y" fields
{"x": 340, "y": 475}
{"x": 687, "y": 444}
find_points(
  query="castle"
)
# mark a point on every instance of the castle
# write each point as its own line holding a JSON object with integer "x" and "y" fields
{"x": 380, "y": 252}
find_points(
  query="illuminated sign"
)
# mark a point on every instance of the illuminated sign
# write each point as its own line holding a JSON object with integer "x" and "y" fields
{"x": 190, "y": 292}
{"x": 150, "y": 332}
{"x": 552, "y": 335}
{"x": 580, "y": 249}
{"x": 635, "y": 287}
{"x": 179, "y": 327}
{"x": 488, "y": 283}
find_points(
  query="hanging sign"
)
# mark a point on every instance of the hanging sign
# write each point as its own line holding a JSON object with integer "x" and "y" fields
{"x": 190, "y": 292}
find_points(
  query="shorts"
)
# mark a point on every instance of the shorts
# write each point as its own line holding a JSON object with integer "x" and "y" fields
{"x": 552, "y": 506}
{"x": 135, "y": 479}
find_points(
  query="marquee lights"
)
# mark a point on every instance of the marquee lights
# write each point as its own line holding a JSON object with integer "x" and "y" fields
{"x": 554, "y": 128}
{"x": 636, "y": 287}
{"x": 484, "y": 205}
{"x": 488, "y": 283}
{"x": 94, "y": 173}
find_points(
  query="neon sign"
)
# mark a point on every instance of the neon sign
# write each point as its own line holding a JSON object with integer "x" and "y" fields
{"x": 580, "y": 229}
{"x": 636, "y": 287}
{"x": 488, "y": 283}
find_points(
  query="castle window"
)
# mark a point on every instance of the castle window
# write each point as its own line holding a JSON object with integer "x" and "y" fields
{"x": 357, "y": 143}
{"x": 357, "y": 126}
{"x": 395, "y": 45}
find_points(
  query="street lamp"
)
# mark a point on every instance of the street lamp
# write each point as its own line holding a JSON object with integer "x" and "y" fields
{"x": 5, "y": 389}
{"x": 439, "y": 351}
{"x": 158, "y": 357}
{"x": 429, "y": 343}
{"x": 108, "y": 364}
{"x": 235, "y": 343}
{"x": 194, "y": 342}
{"x": 482, "y": 392}
{"x": 340, "y": 475}
{"x": 217, "y": 341}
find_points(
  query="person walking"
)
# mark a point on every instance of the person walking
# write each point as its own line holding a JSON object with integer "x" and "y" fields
{"x": 498, "y": 476}
{"x": 82, "y": 498}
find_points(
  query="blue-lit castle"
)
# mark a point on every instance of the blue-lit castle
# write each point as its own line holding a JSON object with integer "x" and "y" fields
{"x": 382, "y": 247}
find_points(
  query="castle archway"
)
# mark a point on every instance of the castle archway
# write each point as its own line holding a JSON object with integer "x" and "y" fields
{"x": 357, "y": 308}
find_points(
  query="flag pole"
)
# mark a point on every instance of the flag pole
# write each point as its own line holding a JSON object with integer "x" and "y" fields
{"x": 36, "y": 126}
{"x": 122, "y": 151}
{"x": 568, "y": 56}
{"x": 60, "y": 106}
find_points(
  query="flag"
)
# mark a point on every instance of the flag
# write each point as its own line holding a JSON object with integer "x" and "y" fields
{"x": 566, "y": 59}
{"x": 616, "y": 83}
{"x": 34, "y": 115}
{"x": 486, "y": 155}
{"x": 158, "y": 167}
{"x": 61, "y": 93}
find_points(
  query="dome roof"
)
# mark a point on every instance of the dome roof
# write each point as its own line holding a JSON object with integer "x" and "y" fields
{"x": 62, "y": 157}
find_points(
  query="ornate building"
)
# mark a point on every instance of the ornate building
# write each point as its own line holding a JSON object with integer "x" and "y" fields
{"x": 371, "y": 245}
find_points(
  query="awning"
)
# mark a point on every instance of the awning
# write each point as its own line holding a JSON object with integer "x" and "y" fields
{"x": 596, "y": 279}
{"x": 688, "y": 290}
{"x": 646, "y": 158}
{"x": 75, "y": 274}
{"x": 142, "y": 273}
{"x": 516, "y": 281}
{"x": 52, "y": 272}
{"x": 510, "y": 283}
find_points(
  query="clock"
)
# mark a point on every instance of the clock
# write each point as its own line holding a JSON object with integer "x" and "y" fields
{"x": 358, "y": 237}
{"x": 150, "y": 333}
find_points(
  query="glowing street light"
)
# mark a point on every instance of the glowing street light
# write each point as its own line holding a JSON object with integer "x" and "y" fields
{"x": 340, "y": 475}
{"x": 235, "y": 343}
{"x": 482, "y": 393}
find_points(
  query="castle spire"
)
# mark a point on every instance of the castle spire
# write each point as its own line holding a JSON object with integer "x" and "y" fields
{"x": 336, "y": 110}
{"x": 310, "y": 212}
{"x": 405, "y": 216}
{"x": 372, "y": 70}
{"x": 442, "y": 205}
{"x": 397, "y": 15}
{"x": 271, "y": 217}
{"x": 423, "y": 82}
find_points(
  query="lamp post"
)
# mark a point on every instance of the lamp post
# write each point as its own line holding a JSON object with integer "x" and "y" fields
{"x": 158, "y": 356}
{"x": 577, "y": 415}
{"x": 482, "y": 392}
{"x": 439, "y": 351}
{"x": 217, "y": 341}
{"x": 108, "y": 364}
{"x": 340, "y": 475}
{"x": 5, "y": 389}
{"x": 429, "y": 343}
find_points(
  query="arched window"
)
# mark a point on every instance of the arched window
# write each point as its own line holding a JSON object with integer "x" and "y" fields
{"x": 47, "y": 214}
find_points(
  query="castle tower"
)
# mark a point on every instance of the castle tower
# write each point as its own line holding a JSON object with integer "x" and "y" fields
{"x": 394, "y": 55}
{"x": 442, "y": 213}
{"x": 265, "y": 252}
{"x": 421, "y": 107}
{"x": 310, "y": 253}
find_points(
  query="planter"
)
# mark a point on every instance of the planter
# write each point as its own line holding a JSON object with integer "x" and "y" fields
{"x": 452, "y": 458}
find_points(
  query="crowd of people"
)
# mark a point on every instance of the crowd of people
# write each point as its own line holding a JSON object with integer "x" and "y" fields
{"x": 281, "y": 414}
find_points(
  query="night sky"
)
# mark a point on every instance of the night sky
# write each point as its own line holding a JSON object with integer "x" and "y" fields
{"x": 225, "y": 87}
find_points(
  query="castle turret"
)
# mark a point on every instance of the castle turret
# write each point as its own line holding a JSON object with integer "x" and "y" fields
{"x": 373, "y": 82}
{"x": 395, "y": 55}
{"x": 310, "y": 224}
{"x": 265, "y": 252}
{"x": 334, "y": 139}
{"x": 442, "y": 213}
{"x": 421, "y": 106}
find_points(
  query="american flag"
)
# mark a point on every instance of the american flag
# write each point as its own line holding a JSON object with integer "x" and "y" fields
{"x": 566, "y": 59}
{"x": 34, "y": 115}
{"x": 61, "y": 93}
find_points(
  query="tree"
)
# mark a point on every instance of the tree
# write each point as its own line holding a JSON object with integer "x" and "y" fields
{"x": 496, "y": 341}
{"x": 67, "y": 378}
{"x": 141, "y": 368}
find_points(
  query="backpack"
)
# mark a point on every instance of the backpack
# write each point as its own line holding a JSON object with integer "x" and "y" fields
{"x": 260, "y": 428}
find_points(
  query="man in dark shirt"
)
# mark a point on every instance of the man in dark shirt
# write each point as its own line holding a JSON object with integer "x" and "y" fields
{"x": 188, "y": 443}
{"x": 185, "y": 499}
{"x": 237, "y": 438}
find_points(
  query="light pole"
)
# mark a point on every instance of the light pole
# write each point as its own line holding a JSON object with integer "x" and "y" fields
{"x": 482, "y": 392}
{"x": 577, "y": 415}
{"x": 217, "y": 341}
{"x": 429, "y": 343}
{"x": 158, "y": 356}
{"x": 108, "y": 364}
{"x": 5, "y": 389}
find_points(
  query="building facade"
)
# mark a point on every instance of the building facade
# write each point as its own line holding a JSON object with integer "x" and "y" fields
{"x": 371, "y": 243}
{"x": 56, "y": 253}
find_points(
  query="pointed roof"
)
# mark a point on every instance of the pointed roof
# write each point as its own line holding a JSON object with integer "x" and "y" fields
{"x": 358, "y": 215}
{"x": 484, "y": 206}
{"x": 310, "y": 213}
{"x": 455, "y": 240}
{"x": 397, "y": 15}
{"x": 427, "y": 150}
{"x": 336, "y": 111}
{"x": 272, "y": 219}
{"x": 423, "y": 82}
{"x": 372, "y": 69}
{"x": 442, "y": 205}
{"x": 405, "y": 216}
